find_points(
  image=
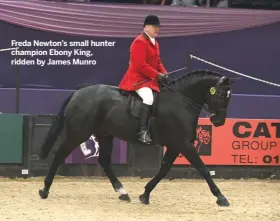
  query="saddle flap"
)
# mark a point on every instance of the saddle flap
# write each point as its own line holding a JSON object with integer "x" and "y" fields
{"x": 134, "y": 105}
{"x": 135, "y": 101}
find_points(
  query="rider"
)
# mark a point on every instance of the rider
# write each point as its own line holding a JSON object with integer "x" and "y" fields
{"x": 145, "y": 69}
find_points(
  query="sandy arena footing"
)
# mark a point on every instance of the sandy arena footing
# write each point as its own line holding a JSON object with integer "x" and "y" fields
{"x": 92, "y": 199}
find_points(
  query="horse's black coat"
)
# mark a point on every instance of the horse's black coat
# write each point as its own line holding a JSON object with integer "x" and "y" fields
{"x": 103, "y": 111}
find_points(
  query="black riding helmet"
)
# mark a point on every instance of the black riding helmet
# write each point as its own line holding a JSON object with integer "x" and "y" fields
{"x": 152, "y": 20}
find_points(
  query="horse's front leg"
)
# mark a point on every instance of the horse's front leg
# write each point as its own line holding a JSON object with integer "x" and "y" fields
{"x": 166, "y": 165}
{"x": 192, "y": 156}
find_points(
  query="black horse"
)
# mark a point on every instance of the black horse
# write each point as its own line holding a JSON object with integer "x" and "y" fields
{"x": 107, "y": 112}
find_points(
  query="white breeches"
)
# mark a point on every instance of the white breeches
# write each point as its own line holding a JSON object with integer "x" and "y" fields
{"x": 146, "y": 94}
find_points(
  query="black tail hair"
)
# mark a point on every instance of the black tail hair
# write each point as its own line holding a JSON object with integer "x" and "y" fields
{"x": 55, "y": 130}
{"x": 57, "y": 126}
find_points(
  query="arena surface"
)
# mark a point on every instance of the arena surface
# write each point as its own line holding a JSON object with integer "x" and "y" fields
{"x": 88, "y": 199}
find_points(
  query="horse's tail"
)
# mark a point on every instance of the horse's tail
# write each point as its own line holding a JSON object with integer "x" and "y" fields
{"x": 55, "y": 130}
{"x": 57, "y": 126}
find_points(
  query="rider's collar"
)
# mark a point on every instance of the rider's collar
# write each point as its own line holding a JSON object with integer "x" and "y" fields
{"x": 147, "y": 36}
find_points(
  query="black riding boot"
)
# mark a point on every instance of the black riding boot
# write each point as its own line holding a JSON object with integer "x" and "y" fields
{"x": 144, "y": 134}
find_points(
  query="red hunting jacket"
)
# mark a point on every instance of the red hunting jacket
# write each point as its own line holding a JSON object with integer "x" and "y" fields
{"x": 144, "y": 64}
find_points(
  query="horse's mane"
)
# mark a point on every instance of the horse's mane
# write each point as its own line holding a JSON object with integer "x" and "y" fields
{"x": 195, "y": 76}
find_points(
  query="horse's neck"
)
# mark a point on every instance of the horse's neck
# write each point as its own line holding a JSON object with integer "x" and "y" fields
{"x": 196, "y": 91}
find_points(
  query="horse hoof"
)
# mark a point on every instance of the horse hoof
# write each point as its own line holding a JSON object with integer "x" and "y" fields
{"x": 222, "y": 201}
{"x": 43, "y": 194}
{"x": 125, "y": 197}
{"x": 144, "y": 199}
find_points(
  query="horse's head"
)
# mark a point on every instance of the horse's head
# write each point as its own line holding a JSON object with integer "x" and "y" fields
{"x": 218, "y": 98}
{"x": 205, "y": 86}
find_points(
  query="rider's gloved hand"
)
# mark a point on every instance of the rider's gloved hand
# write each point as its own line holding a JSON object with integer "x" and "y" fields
{"x": 162, "y": 78}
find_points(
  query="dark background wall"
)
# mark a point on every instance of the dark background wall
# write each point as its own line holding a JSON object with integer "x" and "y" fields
{"x": 251, "y": 51}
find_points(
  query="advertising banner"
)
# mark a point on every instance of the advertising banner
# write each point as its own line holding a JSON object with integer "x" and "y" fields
{"x": 88, "y": 152}
{"x": 238, "y": 142}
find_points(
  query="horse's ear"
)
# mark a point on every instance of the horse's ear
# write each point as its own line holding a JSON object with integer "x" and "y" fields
{"x": 225, "y": 81}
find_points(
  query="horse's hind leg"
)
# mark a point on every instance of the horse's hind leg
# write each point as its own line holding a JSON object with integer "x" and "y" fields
{"x": 104, "y": 159}
{"x": 67, "y": 146}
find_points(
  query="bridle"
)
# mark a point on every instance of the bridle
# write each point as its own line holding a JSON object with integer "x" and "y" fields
{"x": 216, "y": 95}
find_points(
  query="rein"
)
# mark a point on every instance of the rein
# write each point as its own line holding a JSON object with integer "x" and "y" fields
{"x": 142, "y": 82}
{"x": 194, "y": 104}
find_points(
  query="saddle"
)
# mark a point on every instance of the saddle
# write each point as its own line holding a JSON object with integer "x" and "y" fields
{"x": 133, "y": 109}
{"x": 135, "y": 101}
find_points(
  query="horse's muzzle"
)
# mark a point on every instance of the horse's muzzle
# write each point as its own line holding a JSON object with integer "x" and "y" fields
{"x": 218, "y": 120}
